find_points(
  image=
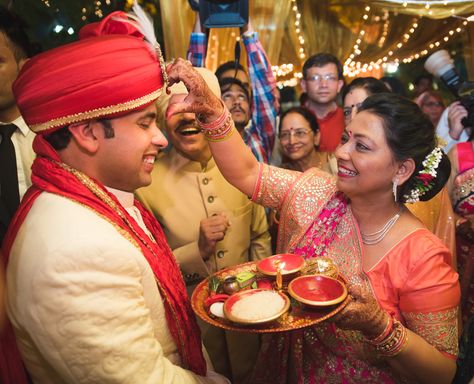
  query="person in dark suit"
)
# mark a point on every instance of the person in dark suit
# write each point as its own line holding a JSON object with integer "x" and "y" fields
{"x": 16, "y": 152}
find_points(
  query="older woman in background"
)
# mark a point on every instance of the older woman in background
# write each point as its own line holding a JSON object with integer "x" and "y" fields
{"x": 299, "y": 139}
{"x": 432, "y": 104}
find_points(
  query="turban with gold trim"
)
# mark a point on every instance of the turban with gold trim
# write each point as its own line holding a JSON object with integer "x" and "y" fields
{"x": 109, "y": 72}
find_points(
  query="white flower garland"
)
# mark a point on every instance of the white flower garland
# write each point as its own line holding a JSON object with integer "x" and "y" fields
{"x": 424, "y": 179}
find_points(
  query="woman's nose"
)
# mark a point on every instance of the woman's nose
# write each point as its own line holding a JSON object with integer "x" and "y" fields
{"x": 341, "y": 151}
{"x": 291, "y": 138}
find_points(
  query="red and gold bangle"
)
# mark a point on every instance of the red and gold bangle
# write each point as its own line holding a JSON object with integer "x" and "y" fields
{"x": 395, "y": 342}
{"x": 220, "y": 129}
{"x": 388, "y": 328}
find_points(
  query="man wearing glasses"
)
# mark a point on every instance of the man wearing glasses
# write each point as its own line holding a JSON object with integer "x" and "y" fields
{"x": 322, "y": 81}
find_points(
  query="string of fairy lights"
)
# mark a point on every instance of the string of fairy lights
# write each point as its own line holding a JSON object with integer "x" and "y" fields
{"x": 385, "y": 28}
{"x": 298, "y": 29}
{"x": 285, "y": 69}
{"x": 353, "y": 68}
{"x": 356, "y": 48}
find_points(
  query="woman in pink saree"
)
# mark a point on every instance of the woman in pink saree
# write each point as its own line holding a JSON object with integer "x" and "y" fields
{"x": 401, "y": 324}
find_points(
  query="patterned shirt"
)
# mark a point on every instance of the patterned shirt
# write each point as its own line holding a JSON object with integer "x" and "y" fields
{"x": 260, "y": 134}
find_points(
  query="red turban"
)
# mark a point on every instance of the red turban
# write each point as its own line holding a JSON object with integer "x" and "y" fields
{"x": 110, "y": 71}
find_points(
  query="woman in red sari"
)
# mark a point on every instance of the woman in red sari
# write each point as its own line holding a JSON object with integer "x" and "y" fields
{"x": 401, "y": 324}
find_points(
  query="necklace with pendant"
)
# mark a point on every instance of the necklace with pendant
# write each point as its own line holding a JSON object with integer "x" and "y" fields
{"x": 377, "y": 237}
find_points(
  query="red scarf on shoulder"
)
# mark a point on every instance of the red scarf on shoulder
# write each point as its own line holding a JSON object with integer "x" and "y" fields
{"x": 50, "y": 175}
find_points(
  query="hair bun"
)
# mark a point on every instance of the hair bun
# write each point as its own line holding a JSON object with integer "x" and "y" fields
{"x": 427, "y": 182}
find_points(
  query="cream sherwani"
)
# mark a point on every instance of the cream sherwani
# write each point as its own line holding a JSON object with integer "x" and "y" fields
{"x": 84, "y": 303}
{"x": 181, "y": 195}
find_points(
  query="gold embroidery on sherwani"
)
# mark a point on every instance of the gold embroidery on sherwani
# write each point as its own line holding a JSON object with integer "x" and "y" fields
{"x": 437, "y": 328}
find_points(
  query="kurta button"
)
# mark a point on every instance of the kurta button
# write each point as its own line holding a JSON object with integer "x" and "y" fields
{"x": 220, "y": 254}
{"x": 210, "y": 199}
{"x": 205, "y": 181}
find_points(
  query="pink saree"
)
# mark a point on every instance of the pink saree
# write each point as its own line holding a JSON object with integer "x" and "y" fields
{"x": 316, "y": 220}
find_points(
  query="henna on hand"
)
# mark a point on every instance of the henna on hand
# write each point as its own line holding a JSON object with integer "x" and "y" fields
{"x": 362, "y": 313}
{"x": 200, "y": 100}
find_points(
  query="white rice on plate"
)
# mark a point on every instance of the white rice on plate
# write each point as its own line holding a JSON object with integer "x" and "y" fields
{"x": 260, "y": 305}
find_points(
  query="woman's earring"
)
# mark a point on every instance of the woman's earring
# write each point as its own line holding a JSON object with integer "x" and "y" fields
{"x": 394, "y": 188}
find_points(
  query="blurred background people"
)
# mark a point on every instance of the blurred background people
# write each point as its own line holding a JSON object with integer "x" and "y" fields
{"x": 461, "y": 189}
{"x": 16, "y": 151}
{"x": 356, "y": 92}
{"x": 322, "y": 80}
{"x": 395, "y": 85}
{"x": 432, "y": 104}
{"x": 422, "y": 83}
{"x": 450, "y": 127}
{"x": 299, "y": 137}
{"x": 259, "y": 131}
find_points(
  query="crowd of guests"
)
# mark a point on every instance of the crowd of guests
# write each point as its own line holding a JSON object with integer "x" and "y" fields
{"x": 119, "y": 194}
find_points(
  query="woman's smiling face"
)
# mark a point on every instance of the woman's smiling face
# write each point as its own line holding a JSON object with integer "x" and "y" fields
{"x": 296, "y": 137}
{"x": 366, "y": 165}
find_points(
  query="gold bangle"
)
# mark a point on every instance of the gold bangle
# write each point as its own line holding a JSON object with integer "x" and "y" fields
{"x": 395, "y": 342}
